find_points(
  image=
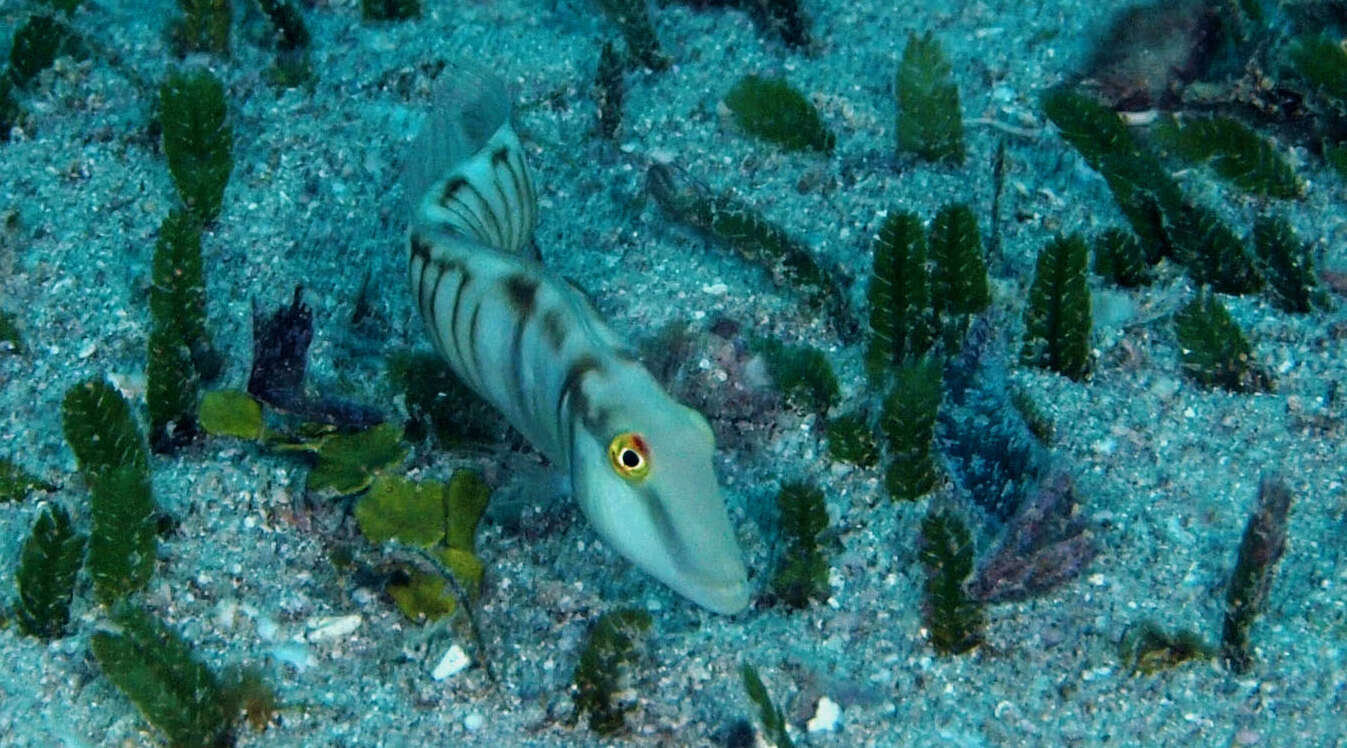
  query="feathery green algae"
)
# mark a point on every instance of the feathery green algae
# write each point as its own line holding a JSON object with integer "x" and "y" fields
{"x": 1214, "y": 350}
{"x": 909, "y": 417}
{"x": 156, "y": 669}
{"x": 1238, "y": 154}
{"x": 930, "y": 123}
{"x": 801, "y": 574}
{"x": 954, "y": 619}
{"x": 772, "y": 109}
{"x": 1058, "y": 319}
{"x": 48, "y": 563}
{"x": 899, "y": 295}
{"x": 198, "y": 141}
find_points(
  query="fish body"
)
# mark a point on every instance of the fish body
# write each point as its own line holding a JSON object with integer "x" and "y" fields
{"x": 528, "y": 342}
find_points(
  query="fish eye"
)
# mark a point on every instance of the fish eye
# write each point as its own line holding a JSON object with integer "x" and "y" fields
{"x": 630, "y": 456}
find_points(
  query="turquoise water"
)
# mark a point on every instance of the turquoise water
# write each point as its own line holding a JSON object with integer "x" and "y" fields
{"x": 1146, "y": 478}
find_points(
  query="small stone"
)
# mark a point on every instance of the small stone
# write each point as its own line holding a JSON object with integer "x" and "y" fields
{"x": 826, "y": 716}
{"x": 453, "y": 661}
{"x": 325, "y": 628}
{"x": 473, "y": 722}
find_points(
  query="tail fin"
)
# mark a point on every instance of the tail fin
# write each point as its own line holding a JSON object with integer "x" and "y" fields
{"x": 465, "y": 172}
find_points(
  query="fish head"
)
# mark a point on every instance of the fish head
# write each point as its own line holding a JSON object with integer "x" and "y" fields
{"x": 643, "y": 475}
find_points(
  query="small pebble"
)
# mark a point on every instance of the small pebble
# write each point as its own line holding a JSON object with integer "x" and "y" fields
{"x": 453, "y": 661}
{"x": 325, "y": 628}
{"x": 826, "y": 716}
{"x": 473, "y": 722}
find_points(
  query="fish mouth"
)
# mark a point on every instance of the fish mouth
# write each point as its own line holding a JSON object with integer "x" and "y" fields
{"x": 726, "y": 596}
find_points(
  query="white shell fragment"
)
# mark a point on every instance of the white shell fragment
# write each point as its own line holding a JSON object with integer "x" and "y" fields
{"x": 325, "y": 628}
{"x": 453, "y": 661}
{"x": 826, "y": 716}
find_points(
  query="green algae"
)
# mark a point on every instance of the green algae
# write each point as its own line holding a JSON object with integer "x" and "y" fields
{"x": 48, "y": 564}
{"x": 1058, "y": 318}
{"x": 773, "y": 110}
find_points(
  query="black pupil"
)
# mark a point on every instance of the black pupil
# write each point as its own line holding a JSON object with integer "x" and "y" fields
{"x": 630, "y": 459}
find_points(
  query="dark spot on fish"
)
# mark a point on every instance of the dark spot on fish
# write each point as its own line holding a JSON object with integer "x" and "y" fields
{"x": 553, "y": 330}
{"x": 420, "y": 248}
{"x": 571, "y": 391}
{"x": 521, "y": 291}
{"x": 451, "y": 189}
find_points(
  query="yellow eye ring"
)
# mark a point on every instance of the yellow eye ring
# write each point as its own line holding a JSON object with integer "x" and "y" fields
{"x": 630, "y": 456}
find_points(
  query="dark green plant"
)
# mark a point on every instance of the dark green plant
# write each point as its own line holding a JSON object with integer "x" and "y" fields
{"x": 204, "y": 27}
{"x": 1141, "y": 186}
{"x": 170, "y": 388}
{"x": 292, "y": 34}
{"x": 632, "y": 18}
{"x": 609, "y": 650}
{"x": 10, "y": 339}
{"x": 1288, "y": 267}
{"x": 953, "y": 618}
{"x": 899, "y": 295}
{"x": 292, "y": 66}
{"x": 772, "y": 110}
{"x": 100, "y": 431}
{"x": 930, "y": 123}
{"x": 784, "y": 18}
{"x": 180, "y": 353}
{"x": 1146, "y": 648}
{"x": 439, "y": 405}
{"x": 959, "y": 274}
{"x": 197, "y": 139}
{"x": 850, "y": 439}
{"x": 1237, "y": 153}
{"x": 390, "y": 10}
{"x": 1057, "y": 321}
{"x": 609, "y": 90}
{"x": 1214, "y": 349}
{"x": 1119, "y": 258}
{"x": 16, "y": 483}
{"x": 48, "y": 564}
{"x": 1212, "y": 252}
{"x": 908, "y": 422}
{"x": 157, "y": 670}
{"x": 1260, "y": 549}
{"x": 37, "y": 44}
{"x": 801, "y": 574}
{"x": 773, "y": 721}
{"x": 124, "y": 532}
{"x": 111, "y": 453}
{"x": 801, "y": 373}
{"x": 791, "y": 264}
{"x": 1166, "y": 222}
{"x": 1322, "y": 62}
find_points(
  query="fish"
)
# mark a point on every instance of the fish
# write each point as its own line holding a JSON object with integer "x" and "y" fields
{"x": 532, "y": 345}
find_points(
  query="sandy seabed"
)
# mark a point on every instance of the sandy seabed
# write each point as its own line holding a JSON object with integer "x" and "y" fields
{"x": 1167, "y": 470}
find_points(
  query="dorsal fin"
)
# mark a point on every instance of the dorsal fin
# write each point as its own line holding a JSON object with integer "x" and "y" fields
{"x": 465, "y": 171}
